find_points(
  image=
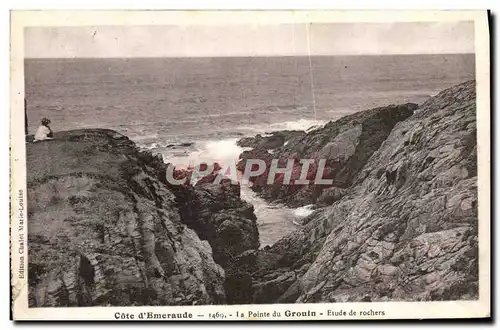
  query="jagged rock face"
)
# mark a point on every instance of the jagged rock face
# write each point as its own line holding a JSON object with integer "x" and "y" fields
{"x": 406, "y": 229}
{"x": 414, "y": 236}
{"x": 345, "y": 145}
{"x": 217, "y": 214}
{"x": 104, "y": 230}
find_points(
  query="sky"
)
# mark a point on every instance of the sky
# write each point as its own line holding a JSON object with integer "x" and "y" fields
{"x": 250, "y": 40}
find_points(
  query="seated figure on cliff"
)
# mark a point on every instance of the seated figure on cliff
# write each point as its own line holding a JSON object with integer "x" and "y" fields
{"x": 43, "y": 132}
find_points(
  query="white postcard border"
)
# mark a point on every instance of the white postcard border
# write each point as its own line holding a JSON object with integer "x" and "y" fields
{"x": 391, "y": 310}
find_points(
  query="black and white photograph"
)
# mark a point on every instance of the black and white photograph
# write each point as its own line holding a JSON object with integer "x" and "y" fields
{"x": 294, "y": 163}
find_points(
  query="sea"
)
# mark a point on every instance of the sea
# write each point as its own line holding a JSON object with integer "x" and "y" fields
{"x": 207, "y": 104}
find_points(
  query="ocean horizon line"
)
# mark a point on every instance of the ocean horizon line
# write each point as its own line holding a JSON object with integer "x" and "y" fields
{"x": 242, "y": 56}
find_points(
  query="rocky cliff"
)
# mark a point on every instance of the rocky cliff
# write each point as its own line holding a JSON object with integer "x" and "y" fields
{"x": 105, "y": 228}
{"x": 405, "y": 229}
{"x": 345, "y": 145}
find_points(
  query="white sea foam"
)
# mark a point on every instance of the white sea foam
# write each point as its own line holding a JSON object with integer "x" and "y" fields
{"x": 303, "y": 211}
{"x": 223, "y": 152}
{"x": 150, "y": 146}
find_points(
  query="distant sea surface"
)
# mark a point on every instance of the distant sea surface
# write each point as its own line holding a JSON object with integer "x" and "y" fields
{"x": 214, "y": 101}
{"x": 211, "y": 98}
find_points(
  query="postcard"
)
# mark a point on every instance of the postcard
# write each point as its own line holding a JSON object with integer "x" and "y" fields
{"x": 250, "y": 165}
